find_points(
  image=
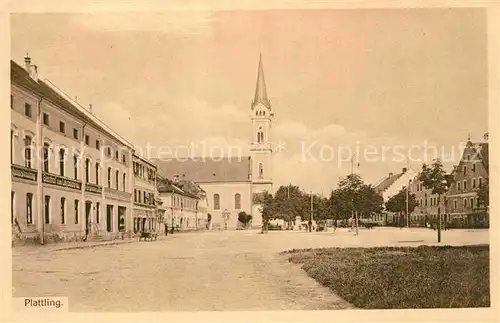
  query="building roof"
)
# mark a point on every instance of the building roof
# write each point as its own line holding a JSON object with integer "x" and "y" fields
{"x": 206, "y": 170}
{"x": 260, "y": 88}
{"x": 167, "y": 186}
{"x": 21, "y": 77}
{"x": 386, "y": 182}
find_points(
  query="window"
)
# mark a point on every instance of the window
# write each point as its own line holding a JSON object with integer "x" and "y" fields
{"x": 75, "y": 166}
{"x": 109, "y": 177}
{"x": 473, "y": 183}
{"x": 116, "y": 154}
{"x": 97, "y": 173}
{"x": 27, "y": 110}
{"x": 77, "y": 206}
{"x": 87, "y": 140}
{"x": 117, "y": 178}
{"x": 87, "y": 170}
{"x": 135, "y": 195}
{"x": 454, "y": 204}
{"x": 144, "y": 199}
{"x": 27, "y": 151}
{"x": 465, "y": 203}
{"x": 75, "y": 133}
{"x": 63, "y": 207}
{"x": 480, "y": 181}
{"x": 139, "y": 196}
{"x": 458, "y": 186}
{"x": 124, "y": 184}
{"x": 97, "y": 211}
{"x": 261, "y": 170}
{"x": 46, "y": 157}
{"x": 465, "y": 169}
{"x": 47, "y": 209}
{"x": 237, "y": 201}
{"x": 465, "y": 185}
{"x": 216, "y": 202}
{"x": 471, "y": 203}
{"x": 61, "y": 161}
{"x": 474, "y": 167}
{"x": 97, "y": 145}
{"x": 123, "y": 159}
{"x": 260, "y": 137}
{"x": 108, "y": 151}
{"x": 62, "y": 127}
{"x": 46, "y": 119}
{"x": 29, "y": 208}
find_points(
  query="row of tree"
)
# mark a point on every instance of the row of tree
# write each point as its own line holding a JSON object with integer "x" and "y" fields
{"x": 353, "y": 197}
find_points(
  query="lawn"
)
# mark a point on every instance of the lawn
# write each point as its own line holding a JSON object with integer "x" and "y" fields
{"x": 382, "y": 278}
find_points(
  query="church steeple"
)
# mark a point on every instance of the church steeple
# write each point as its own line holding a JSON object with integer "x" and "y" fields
{"x": 260, "y": 88}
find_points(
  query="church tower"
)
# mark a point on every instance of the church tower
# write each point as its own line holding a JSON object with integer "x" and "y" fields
{"x": 260, "y": 148}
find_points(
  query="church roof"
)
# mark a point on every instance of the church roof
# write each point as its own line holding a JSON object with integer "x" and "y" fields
{"x": 260, "y": 88}
{"x": 206, "y": 169}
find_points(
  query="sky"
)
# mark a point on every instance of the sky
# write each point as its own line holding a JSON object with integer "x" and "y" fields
{"x": 388, "y": 82}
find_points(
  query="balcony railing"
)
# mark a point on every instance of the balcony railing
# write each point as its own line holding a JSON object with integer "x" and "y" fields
{"x": 116, "y": 193}
{"x": 93, "y": 188}
{"x": 23, "y": 172}
{"x": 61, "y": 181}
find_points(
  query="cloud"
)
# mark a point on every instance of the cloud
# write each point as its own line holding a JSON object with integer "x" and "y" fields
{"x": 172, "y": 22}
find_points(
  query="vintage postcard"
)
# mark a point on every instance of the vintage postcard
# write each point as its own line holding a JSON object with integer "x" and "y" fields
{"x": 309, "y": 160}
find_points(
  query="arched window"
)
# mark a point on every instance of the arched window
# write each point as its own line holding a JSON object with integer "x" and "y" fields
{"x": 97, "y": 173}
{"x": 46, "y": 157}
{"x": 109, "y": 177}
{"x": 27, "y": 151}
{"x": 124, "y": 181}
{"x": 237, "y": 201}
{"x": 139, "y": 195}
{"x": 75, "y": 166}
{"x": 87, "y": 170}
{"x": 135, "y": 195}
{"x": 216, "y": 202}
{"x": 61, "y": 161}
{"x": 144, "y": 199}
{"x": 117, "y": 178}
{"x": 256, "y": 113}
{"x": 261, "y": 170}
{"x": 264, "y": 113}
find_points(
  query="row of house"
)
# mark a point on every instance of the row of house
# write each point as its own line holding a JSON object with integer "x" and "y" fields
{"x": 74, "y": 178}
{"x": 460, "y": 204}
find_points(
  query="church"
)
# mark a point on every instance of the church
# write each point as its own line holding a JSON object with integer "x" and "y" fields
{"x": 233, "y": 184}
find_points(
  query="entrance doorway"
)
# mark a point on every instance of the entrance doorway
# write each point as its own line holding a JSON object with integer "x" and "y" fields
{"x": 109, "y": 218}
{"x": 88, "y": 207}
{"x": 121, "y": 218}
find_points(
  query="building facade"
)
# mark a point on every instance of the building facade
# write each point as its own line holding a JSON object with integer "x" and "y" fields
{"x": 71, "y": 174}
{"x": 428, "y": 204}
{"x": 472, "y": 172}
{"x": 145, "y": 213}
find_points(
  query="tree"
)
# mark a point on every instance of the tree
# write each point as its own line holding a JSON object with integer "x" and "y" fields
{"x": 244, "y": 218}
{"x": 289, "y": 202}
{"x": 433, "y": 177}
{"x": 484, "y": 194}
{"x": 397, "y": 203}
{"x": 267, "y": 209}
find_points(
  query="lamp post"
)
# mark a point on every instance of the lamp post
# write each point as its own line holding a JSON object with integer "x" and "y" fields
{"x": 225, "y": 216}
{"x": 407, "y": 213}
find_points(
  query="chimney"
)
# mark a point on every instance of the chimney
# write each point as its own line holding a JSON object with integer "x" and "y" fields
{"x": 175, "y": 179}
{"x": 404, "y": 170}
{"x": 27, "y": 63}
{"x": 34, "y": 72}
{"x": 90, "y": 108}
{"x": 390, "y": 174}
{"x": 486, "y": 137}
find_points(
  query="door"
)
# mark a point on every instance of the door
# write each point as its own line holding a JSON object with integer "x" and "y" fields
{"x": 121, "y": 219}
{"x": 88, "y": 207}
{"x": 109, "y": 212}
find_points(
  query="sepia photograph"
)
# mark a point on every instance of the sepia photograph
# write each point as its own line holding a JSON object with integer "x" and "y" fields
{"x": 220, "y": 160}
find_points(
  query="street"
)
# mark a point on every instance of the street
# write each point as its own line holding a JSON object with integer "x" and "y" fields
{"x": 207, "y": 271}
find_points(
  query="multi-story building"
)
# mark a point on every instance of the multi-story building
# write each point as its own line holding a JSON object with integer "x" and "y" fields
{"x": 428, "y": 204}
{"x": 71, "y": 174}
{"x": 390, "y": 186}
{"x": 145, "y": 207}
{"x": 469, "y": 176}
{"x": 185, "y": 204}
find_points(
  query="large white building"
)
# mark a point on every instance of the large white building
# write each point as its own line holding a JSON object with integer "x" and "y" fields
{"x": 72, "y": 176}
{"x": 233, "y": 184}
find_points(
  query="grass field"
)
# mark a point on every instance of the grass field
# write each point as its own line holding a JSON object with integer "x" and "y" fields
{"x": 390, "y": 277}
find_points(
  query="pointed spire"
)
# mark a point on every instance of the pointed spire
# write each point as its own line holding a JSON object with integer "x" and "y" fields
{"x": 260, "y": 89}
